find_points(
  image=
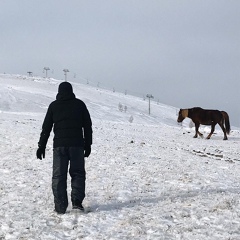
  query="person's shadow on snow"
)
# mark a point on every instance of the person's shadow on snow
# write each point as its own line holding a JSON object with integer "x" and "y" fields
{"x": 172, "y": 196}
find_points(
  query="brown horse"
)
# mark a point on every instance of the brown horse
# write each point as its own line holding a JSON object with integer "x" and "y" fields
{"x": 206, "y": 117}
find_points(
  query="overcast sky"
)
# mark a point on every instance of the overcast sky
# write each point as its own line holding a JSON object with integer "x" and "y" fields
{"x": 185, "y": 53}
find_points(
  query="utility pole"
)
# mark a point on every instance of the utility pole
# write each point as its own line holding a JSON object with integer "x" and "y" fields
{"x": 149, "y": 96}
{"x": 46, "y": 69}
{"x": 65, "y": 73}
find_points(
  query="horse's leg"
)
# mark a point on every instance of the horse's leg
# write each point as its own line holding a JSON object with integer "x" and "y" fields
{"x": 224, "y": 131}
{"x": 212, "y": 131}
{"x": 196, "y": 129}
{"x": 200, "y": 134}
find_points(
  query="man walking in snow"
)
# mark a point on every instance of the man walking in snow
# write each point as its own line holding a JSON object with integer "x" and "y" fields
{"x": 72, "y": 127}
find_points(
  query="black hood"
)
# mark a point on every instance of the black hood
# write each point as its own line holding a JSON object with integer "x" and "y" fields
{"x": 65, "y": 91}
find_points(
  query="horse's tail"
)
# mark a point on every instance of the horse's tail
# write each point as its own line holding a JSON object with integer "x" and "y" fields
{"x": 227, "y": 122}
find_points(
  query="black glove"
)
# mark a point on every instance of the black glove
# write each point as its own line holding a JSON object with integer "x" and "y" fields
{"x": 87, "y": 151}
{"x": 41, "y": 153}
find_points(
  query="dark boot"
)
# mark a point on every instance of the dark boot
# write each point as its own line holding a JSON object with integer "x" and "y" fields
{"x": 60, "y": 208}
{"x": 77, "y": 205}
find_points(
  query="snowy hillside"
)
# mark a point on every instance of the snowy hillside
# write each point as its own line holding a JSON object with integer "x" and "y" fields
{"x": 147, "y": 177}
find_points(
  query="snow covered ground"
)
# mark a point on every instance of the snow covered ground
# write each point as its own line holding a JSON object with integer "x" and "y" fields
{"x": 147, "y": 177}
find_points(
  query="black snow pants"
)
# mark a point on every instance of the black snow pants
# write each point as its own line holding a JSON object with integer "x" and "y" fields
{"x": 62, "y": 156}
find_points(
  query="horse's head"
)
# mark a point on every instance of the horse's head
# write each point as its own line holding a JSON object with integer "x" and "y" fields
{"x": 182, "y": 114}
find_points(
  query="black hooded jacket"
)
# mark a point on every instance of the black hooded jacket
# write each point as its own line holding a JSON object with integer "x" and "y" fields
{"x": 70, "y": 119}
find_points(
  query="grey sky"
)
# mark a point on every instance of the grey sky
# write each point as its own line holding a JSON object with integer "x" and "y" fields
{"x": 184, "y": 52}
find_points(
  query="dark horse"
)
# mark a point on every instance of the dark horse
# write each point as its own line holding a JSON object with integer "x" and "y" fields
{"x": 206, "y": 117}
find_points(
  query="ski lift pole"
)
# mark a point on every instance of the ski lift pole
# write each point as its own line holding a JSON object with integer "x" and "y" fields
{"x": 65, "y": 73}
{"x": 149, "y": 96}
{"x": 46, "y": 69}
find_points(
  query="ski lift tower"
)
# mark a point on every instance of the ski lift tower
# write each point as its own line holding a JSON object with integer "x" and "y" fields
{"x": 149, "y": 96}
{"x": 46, "y": 69}
{"x": 30, "y": 74}
{"x": 65, "y": 73}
